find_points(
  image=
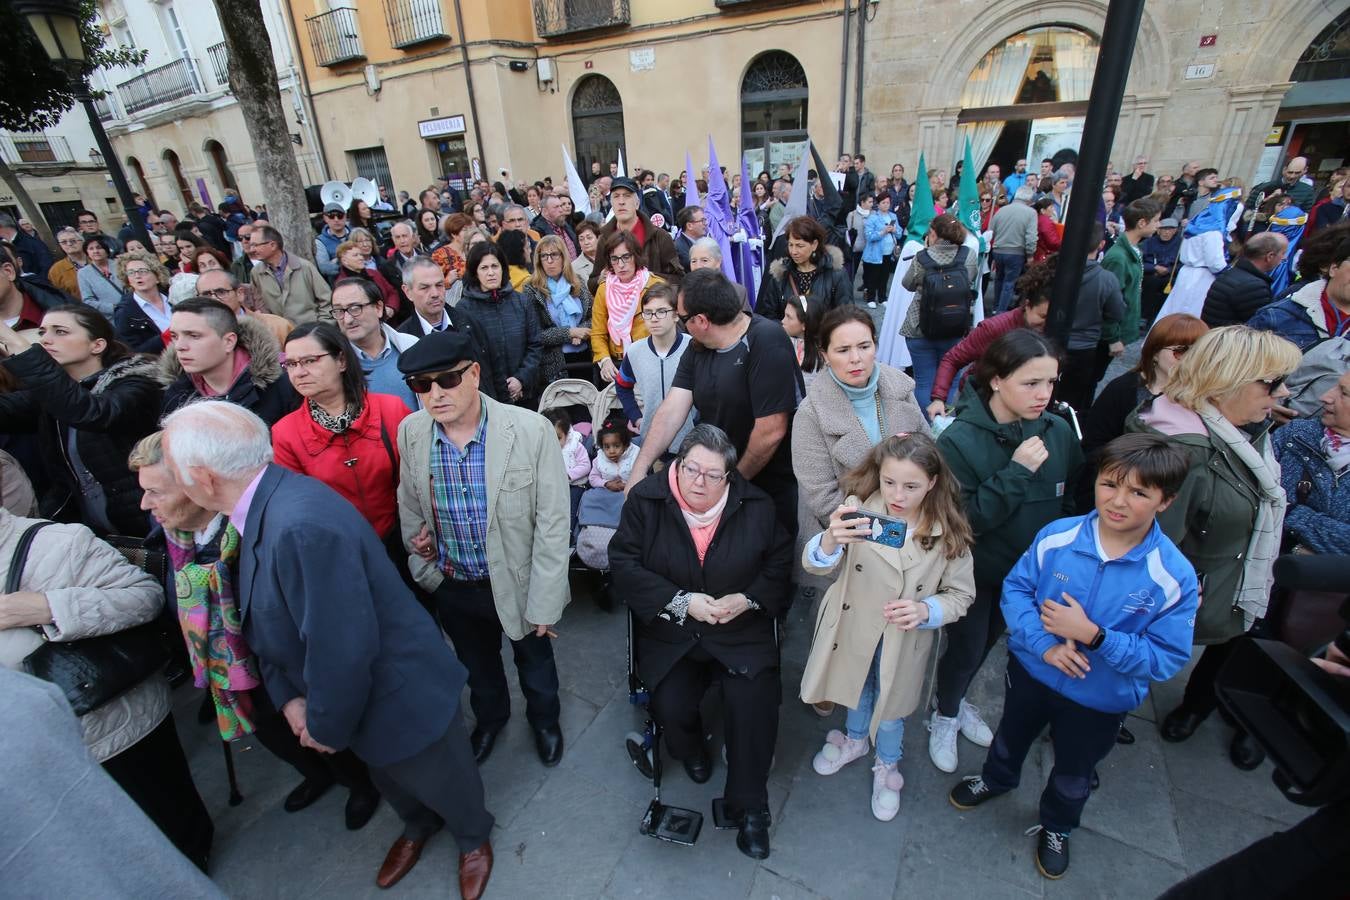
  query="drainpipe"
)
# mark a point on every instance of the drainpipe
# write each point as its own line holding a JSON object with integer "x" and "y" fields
{"x": 468, "y": 81}
{"x": 858, "y": 78}
{"x": 307, "y": 99}
{"x": 843, "y": 79}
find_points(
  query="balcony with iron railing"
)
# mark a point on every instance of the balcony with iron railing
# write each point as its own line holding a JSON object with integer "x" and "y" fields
{"x": 220, "y": 64}
{"x": 104, "y": 107}
{"x": 157, "y": 86}
{"x": 560, "y": 18}
{"x": 414, "y": 22}
{"x": 335, "y": 37}
{"x": 35, "y": 149}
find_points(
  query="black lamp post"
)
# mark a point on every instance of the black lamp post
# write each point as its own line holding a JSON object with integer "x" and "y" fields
{"x": 57, "y": 26}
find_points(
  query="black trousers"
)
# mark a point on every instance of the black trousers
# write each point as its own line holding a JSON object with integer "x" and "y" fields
{"x": 874, "y": 279}
{"x": 469, "y": 617}
{"x": 1082, "y": 737}
{"x": 750, "y": 721}
{"x": 439, "y": 786}
{"x": 1079, "y": 375}
{"x": 1200, "y": 696}
{"x": 969, "y": 640}
{"x": 274, "y": 733}
{"x": 154, "y": 772}
{"x": 783, "y": 492}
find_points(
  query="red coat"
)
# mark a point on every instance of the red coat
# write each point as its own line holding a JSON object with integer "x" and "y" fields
{"x": 1047, "y": 238}
{"x": 370, "y": 482}
{"x": 971, "y": 348}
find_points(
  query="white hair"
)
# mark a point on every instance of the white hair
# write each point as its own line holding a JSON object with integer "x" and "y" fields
{"x": 1025, "y": 193}
{"x": 217, "y": 435}
{"x": 709, "y": 244}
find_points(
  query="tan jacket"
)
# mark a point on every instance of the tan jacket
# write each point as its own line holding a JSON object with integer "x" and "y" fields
{"x": 303, "y": 296}
{"x": 850, "y": 621}
{"x": 64, "y": 275}
{"x": 279, "y": 327}
{"x": 529, "y": 511}
{"x": 92, "y": 590}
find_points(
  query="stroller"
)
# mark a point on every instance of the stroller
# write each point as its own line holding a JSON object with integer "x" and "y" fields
{"x": 598, "y": 515}
{"x": 577, "y": 397}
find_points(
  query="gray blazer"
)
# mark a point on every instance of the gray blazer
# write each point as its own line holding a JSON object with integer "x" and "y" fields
{"x": 529, "y": 511}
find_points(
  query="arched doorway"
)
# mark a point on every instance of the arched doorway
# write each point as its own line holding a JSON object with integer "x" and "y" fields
{"x": 220, "y": 163}
{"x": 597, "y": 123}
{"x": 1027, "y": 97}
{"x": 142, "y": 184}
{"x": 176, "y": 171}
{"x": 773, "y": 111}
{"x": 1311, "y": 122}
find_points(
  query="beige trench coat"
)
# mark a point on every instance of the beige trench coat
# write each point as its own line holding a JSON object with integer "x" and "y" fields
{"x": 850, "y": 621}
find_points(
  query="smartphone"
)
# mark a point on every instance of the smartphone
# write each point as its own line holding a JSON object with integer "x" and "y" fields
{"x": 887, "y": 531}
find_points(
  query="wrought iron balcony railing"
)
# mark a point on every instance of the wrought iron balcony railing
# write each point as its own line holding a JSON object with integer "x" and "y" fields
{"x": 335, "y": 37}
{"x": 558, "y": 18}
{"x": 164, "y": 84}
{"x": 414, "y": 22}
{"x": 104, "y": 107}
{"x": 20, "y": 149}
{"x": 220, "y": 64}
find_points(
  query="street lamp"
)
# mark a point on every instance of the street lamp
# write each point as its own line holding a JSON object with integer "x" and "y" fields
{"x": 56, "y": 23}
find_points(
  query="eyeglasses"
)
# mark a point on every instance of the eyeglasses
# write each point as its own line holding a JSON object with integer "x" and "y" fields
{"x": 550, "y": 255}
{"x": 697, "y": 221}
{"x": 304, "y": 362}
{"x": 353, "y": 310}
{"x": 1179, "y": 349}
{"x": 446, "y": 381}
{"x": 1272, "y": 384}
{"x": 620, "y": 258}
{"x": 217, "y": 294}
{"x": 684, "y": 319}
{"x": 136, "y": 273}
{"x": 694, "y": 473}
{"x": 656, "y": 315}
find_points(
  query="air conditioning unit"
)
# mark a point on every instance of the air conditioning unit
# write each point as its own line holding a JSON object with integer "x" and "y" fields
{"x": 544, "y": 68}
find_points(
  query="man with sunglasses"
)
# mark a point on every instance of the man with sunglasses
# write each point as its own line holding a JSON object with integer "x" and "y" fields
{"x": 484, "y": 508}
{"x": 333, "y": 233}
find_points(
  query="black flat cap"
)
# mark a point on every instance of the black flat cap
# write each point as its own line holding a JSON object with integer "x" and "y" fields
{"x": 439, "y": 351}
{"x": 624, "y": 183}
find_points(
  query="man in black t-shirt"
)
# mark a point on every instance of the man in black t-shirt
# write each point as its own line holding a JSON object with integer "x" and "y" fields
{"x": 741, "y": 374}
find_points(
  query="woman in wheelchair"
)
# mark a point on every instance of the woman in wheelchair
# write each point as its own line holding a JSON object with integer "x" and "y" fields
{"x": 705, "y": 568}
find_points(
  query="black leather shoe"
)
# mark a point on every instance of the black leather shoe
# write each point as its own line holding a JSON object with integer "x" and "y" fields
{"x": 310, "y": 789}
{"x": 361, "y": 805}
{"x": 753, "y": 837}
{"x": 699, "y": 768}
{"x": 1245, "y": 752}
{"x": 1124, "y": 736}
{"x": 549, "y": 742}
{"x": 1180, "y": 724}
{"x": 482, "y": 741}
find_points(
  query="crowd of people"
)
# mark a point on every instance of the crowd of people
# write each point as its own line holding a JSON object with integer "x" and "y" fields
{"x": 344, "y": 463}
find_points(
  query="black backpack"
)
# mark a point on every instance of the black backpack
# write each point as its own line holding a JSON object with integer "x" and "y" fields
{"x": 944, "y": 305}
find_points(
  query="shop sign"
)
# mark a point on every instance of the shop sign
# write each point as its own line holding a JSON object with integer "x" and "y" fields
{"x": 433, "y": 128}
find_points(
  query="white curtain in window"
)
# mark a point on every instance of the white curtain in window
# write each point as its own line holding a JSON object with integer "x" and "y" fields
{"x": 995, "y": 82}
{"x": 1075, "y": 62}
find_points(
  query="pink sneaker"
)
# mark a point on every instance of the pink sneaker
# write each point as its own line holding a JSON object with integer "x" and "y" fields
{"x": 838, "y": 752}
{"x": 887, "y": 783}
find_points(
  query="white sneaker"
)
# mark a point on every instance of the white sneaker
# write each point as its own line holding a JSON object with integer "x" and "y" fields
{"x": 942, "y": 741}
{"x": 886, "y": 785}
{"x": 839, "y": 751}
{"x": 871, "y": 304}
{"x": 973, "y": 727}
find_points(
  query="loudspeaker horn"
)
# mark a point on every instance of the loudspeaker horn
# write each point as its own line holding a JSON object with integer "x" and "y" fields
{"x": 336, "y": 192}
{"x": 365, "y": 189}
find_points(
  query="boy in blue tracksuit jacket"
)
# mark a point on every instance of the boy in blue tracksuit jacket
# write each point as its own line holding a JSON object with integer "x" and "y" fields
{"x": 1097, "y": 607}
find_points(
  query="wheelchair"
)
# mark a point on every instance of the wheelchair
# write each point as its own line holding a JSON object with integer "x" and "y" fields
{"x": 673, "y": 824}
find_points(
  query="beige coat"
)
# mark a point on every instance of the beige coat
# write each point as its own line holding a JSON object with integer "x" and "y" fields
{"x": 850, "y": 621}
{"x": 92, "y": 590}
{"x": 828, "y": 440}
{"x": 303, "y": 295}
{"x": 529, "y": 510}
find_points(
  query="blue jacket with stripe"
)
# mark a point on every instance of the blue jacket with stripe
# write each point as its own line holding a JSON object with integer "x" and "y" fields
{"x": 1145, "y": 601}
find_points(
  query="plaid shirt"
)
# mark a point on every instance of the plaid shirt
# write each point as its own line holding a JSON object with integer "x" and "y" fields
{"x": 459, "y": 501}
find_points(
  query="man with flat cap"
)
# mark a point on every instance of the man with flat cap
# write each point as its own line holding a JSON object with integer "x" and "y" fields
{"x": 484, "y": 506}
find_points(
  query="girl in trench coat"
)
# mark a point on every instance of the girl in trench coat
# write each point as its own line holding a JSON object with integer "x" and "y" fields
{"x": 877, "y": 625}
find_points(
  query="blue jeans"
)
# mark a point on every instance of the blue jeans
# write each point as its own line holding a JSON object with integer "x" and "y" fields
{"x": 858, "y": 723}
{"x": 1008, "y": 267}
{"x": 925, "y": 355}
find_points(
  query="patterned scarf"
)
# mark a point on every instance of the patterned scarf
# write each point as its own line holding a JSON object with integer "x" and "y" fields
{"x": 623, "y": 302}
{"x": 209, "y": 617}
{"x": 328, "y": 422}
{"x": 1336, "y": 448}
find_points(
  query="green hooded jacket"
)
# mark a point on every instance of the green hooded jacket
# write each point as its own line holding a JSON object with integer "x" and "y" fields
{"x": 1006, "y": 502}
{"x": 1124, "y": 261}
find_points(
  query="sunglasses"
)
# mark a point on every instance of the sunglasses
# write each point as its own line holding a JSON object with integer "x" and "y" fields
{"x": 446, "y": 381}
{"x": 1179, "y": 349}
{"x": 1272, "y": 384}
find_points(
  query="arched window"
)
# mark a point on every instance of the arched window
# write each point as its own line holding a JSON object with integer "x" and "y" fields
{"x": 597, "y": 123}
{"x": 215, "y": 151}
{"x": 773, "y": 111}
{"x": 176, "y": 170}
{"x": 142, "y": 185}
{"x": 1027, "y": 96}
{"x": 1328, "y": 56}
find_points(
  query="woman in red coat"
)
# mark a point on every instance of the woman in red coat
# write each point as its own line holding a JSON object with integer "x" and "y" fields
{"x": 1048, "y": 236}
{"x": 342, "y": 435}
{"x": 352, "y": 264}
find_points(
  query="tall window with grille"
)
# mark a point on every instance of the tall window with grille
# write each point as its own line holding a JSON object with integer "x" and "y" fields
{"x": 773, "y": 111}
{"x": 597, "y": 122}
{"x": 371, "y": 163}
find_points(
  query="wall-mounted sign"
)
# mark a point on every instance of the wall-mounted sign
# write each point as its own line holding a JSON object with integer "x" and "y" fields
{"x": 1205, "y": 70}
{"x": 431, "y": 128}
{"x": 589, "y": 64}
{"x": 1208, "y": 40}
{"x": 642, "y": 59}
{"x": 1275, "y": 137}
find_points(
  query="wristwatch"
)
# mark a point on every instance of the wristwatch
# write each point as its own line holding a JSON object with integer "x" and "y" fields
{"x": 1099, "y": 639}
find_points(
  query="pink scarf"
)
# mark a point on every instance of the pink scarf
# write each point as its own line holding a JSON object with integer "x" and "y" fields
{"x": 622, "y": 300}
{"x": 702, "y": 525}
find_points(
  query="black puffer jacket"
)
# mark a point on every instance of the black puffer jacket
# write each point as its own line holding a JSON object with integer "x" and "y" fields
{"x": 652, "y": 558}
{"x": 1236, "y": 295}
{"x": 134, "y": 328}
{"x": 829, "y": 288}
{"x": 110, "y": 411}
{"x": 263, "y": 387}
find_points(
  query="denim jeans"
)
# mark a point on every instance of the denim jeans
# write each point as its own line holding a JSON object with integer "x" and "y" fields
{"x": 926, "y": 355}
{"x": 1008, "y": 267}
{"x": 858, "y": 723}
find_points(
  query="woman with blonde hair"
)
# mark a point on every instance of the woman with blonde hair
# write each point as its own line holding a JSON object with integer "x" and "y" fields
{"x": 142, "y": 317}
{"x": 563, "y": 305}
{"x": 1227, "y": 518}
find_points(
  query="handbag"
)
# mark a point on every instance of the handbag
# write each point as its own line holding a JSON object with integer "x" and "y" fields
{"x": 92, "y": 671}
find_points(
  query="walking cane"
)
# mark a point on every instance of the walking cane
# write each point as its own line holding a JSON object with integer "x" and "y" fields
{"x": 235, "y": 797}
